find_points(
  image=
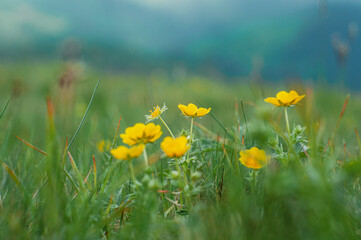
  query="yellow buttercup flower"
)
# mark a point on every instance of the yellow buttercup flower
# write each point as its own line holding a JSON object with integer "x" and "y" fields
{"x": 124, "y": 153}
{"x": 175, "y": 147}
{"x": 141, "y": 134}
{"x": 192, "y": 111}
{"x": 155, "y": 113}
{"x": 253, "y": 158}
{"x": 103, "y": 145}
{"x": 285, "y": 99}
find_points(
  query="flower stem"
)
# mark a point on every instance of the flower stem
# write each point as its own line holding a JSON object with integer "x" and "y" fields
{"x": 132, "y": 171}
{"x": 166, "y": 126}
{"x": 253, "y": 184}
{"x": 190, "y": 138}
{"x": 287, "y": 123}
{"x": 183, "y": 184}
{"x": 145, "y": 157}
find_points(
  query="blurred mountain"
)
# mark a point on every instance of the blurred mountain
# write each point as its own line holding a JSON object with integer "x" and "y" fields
{"x": 280, "y": 39}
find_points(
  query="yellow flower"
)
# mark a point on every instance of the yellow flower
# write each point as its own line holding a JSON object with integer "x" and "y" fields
{"x": 155, "y": 113}
{"x": 192, "y": 111}
{"x": 103, "y": 145}
{"x": 285, "y": 99}
{"x": 141, "y": 133}
{"x": 253, "y": 158}
{"x": 124, "y": 153}
{"x": 175, "y": 147}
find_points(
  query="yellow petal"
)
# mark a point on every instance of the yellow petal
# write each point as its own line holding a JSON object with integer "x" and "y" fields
{"x": 100, "y": 146}
{"x": 189, "y": 110}
{"x": 273, "y": 101}
{"x": 127, "y": 139}
{"x": 175, "y": 147}
{"x": 285, "y": 98}
{"x": 136, "y": 151}
{"x": 120, "y": 153}
{"x": 253, "y": 158}
{"x": 151, "y": 129}
{"x": 155, "y": 137}
{"x": 202, "y": 111}
{"x": 182, "y": 108}
{"x": 293, "y": 93}
{"x": 299, "y": 98}
{"x": 136, "y": 131}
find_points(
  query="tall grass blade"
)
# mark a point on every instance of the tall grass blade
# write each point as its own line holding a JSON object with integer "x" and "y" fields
{"x": 6, "y": 105}
{"x": 339, "y": 119}
{"x": 32, "y": 146}
{"x": 13, "y": 176}
{"x": 77, "y": 172}
{"x": 84, "y": 116}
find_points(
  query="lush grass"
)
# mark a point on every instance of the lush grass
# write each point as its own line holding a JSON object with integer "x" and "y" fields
{"x": 298, "y": 196}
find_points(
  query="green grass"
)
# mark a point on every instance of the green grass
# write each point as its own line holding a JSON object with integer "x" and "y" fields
{"x": 297, "y": 196}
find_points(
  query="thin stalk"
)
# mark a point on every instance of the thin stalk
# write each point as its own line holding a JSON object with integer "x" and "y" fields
{"x": 166, "y": 127}
{"x": 145, "y": 157}
{"x": 84, "y": 116}
{"x": 95, "y": 174}
{"x": 6, "y": 105}
{"x": 287, "y": 123}
{"x": 358, "y": 139}
{"x": 190, "y": 138}
{"x": 253, "y": 184}
{"x": 111, "y": 170}
{"x": 182, "y": 185}
{"x": 131, "y": 168}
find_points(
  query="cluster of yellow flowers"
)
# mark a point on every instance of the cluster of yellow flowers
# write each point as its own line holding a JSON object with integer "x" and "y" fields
{"x": 138, "y": 135}
{"x": 141, "y": 134}
{"x": 255, "y": 158}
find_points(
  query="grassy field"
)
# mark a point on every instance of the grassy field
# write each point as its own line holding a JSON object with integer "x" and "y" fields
{"x": 63, "y": 186}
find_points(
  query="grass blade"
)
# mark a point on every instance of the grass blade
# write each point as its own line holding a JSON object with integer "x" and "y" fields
{"x": 358, "y": 139}
{"x": 6, "y": 105}
{"x": 33, "y": 147}
{"x": 95, "y": 173}
{"x": 71, "y": 180}
{"x": 13, "y": 176}
{"x": 84, "y": 116}
{"x": 76, "y": 170}
{"x": 339, "y": 119}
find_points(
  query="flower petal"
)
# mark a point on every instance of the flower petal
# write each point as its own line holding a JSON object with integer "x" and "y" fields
{"x": 136, "y": 151}
{"x": 120, "y": 153}
{"x": 253, "y": 158}
{"x": 273, "y": 101}
{"x": 191, "y": 110}
{"x": 175, "y": 147}
{"x": 202, "y": 111}
{"x": 299, "y": 98}
{"x": 286, "y": 98}
{"x": 182, "y": 108}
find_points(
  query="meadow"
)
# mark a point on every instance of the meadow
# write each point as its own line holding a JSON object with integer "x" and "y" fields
{"x": 61, "y": 179}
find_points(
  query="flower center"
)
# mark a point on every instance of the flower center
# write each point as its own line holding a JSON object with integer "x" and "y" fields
{"x": 156, "y": 112}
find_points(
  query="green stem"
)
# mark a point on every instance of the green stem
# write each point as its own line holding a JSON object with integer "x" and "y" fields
{"x": 287, "y": 123}
{"x": 253, "y": 185}
{"x": 183, "y": 184}
{"x": 132, "y": 171}
{"x": 190, "y": 138}
{"x": 145, "y": 157}
{"x": 166, "y": 126}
